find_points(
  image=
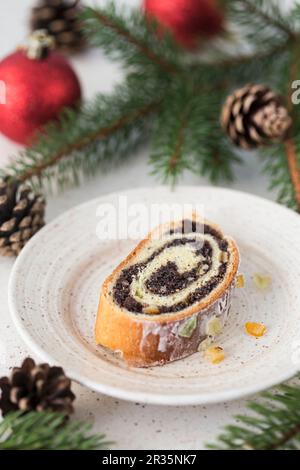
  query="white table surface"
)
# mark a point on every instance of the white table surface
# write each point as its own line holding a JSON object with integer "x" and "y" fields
{"x": 130, "y": 425}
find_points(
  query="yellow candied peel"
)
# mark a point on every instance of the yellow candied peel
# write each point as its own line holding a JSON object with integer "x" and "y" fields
{"x": 255, "y": 329}
{"x": 261, "y": 281}
{"x": 214, "y": 354}
{"x": 240, "y": 281}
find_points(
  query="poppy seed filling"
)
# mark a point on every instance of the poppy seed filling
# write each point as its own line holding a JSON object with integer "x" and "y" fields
{"x": 164, "y": 275}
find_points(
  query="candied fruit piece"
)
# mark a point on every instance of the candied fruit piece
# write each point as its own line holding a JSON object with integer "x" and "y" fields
{"x": 214, "y": 354}
{"x": 261, "y": 282}
{"x": 214, "y": 326}
{"x": 255, "y": 329}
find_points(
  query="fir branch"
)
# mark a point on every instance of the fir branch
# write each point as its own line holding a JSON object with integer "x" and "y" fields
{"x": 272, "y": 17}
{"x": 261, "y": 19}
{"x": 47, "y": 431}
{"x": 268, "y": 66}
{"x": 292, "y": 151}
{"x": 285, "y": 167}
{"x": 186, "y": 98}
{"x": 169, "y": 146}
{"x": 287, "y": 437}
{"x": 274, "y": 423}
{"x": 83, "y": 141}
{"x": 187, "y": 135}
{"x": 212, "y": 153}
{"x": 132, "y": 36}
{"x": 276, "y": 165}
{"x": 178, "y": 147}
{"x": 295, "y": 14}
{"x": 99, "y": 134}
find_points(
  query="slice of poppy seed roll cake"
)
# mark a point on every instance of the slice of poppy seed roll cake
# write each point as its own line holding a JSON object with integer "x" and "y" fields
{"x": 171, "y": 293}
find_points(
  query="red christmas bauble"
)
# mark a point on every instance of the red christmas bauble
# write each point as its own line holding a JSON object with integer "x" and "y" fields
{"x": 34, "y": 92}
{"x": 188, "y": 20}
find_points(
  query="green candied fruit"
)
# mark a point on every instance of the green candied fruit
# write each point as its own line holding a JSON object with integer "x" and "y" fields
{"x": 188, "y": 327}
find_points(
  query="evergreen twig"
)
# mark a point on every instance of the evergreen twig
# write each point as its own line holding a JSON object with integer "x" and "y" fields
{"x": 81, "y": 142}
{"x": 99, "y": 134}
{"x": 293, "y": 158}
{"x": 47, "y": 431}
{"x": 283, "y": 163}
{"x": 119, "y": 28}
{"x": 255, "y": 9}
{"x": 179, "y": 143}
{"x": 272, "y": 424}
{"x": 186, "y": 134}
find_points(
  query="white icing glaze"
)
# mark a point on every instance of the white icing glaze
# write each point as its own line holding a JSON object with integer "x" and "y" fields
{"x": 168, "y": 333}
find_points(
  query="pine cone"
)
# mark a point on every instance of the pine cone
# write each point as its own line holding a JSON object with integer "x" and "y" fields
{"x": 21, "y": 215}
{"x": 255, "y": 116}
{"x": 60, "y": 19}
{"x": 34, "y": 387}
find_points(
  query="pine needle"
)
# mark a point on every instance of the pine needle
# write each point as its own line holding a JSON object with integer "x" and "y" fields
{"x": 47, "y": 431}
{"x": 171, "y": 102}
{"x": 273, "y": 423}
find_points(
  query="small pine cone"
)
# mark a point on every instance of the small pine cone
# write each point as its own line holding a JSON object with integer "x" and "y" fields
{"x": 60, "y": 19}
{"x": 21, "y": 215}
{"x": 255, "y": 116}
{"x": 33, "y": 387}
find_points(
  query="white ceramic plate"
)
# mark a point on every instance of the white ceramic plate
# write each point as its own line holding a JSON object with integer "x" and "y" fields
{"x": 55, "y": 283}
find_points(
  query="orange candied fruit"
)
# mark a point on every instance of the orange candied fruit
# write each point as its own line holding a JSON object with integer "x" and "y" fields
{"x": 214, "y": 354}
{"x": 255, "y": 329}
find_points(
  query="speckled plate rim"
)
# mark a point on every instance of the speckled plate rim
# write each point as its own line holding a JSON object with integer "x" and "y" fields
{"x": 136, "y": 396}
